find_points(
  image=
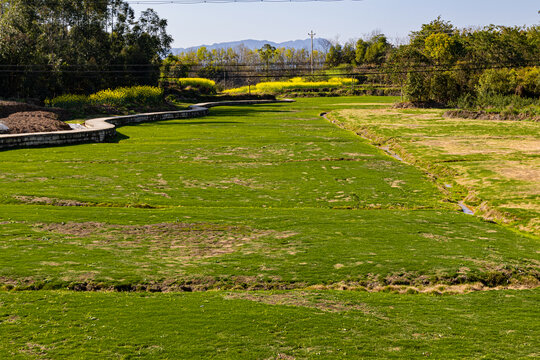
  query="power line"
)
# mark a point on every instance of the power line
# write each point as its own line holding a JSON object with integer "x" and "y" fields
{"x": 250, "y": 66}
{"x": 188, "y": 2}
{"x": 191, "y": 2}
{"x": 276, "y": 72}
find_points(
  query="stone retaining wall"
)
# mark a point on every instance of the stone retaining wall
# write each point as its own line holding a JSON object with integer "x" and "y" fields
{"x": 102, "y": 129}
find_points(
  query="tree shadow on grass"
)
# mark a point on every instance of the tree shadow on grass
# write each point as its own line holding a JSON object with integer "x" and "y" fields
{"x": 117, "y": 138}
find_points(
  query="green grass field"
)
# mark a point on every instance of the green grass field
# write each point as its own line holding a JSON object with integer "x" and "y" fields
{"x": 496, "y": 164}
{"x": 275, "y": 235}
{"x": 262, "y": 325}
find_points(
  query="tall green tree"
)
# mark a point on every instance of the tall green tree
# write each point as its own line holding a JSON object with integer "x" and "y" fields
{"x": 59, "y": 46}
{"x": 334, "y": 57}
{"x": 377, "y": 49}
{"x": 266, "y": 54}
{"x": 360, "y": 53}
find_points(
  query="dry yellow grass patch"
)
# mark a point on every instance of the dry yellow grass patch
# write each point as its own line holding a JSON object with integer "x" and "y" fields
{"x": 483, "y": 145}
{"x": 523, "y": 205}
{"x": 398, "y": 114}
{"x": 529, "y": 172}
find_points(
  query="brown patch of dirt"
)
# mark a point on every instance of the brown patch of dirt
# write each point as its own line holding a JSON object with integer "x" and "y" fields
{"x": 285, "y": 357}
{"x": 222, "y": 184}
{"x": 50, "y": 263}
{"x": 170, "y": 241}
{"x": 35, "y": 349}
{"x": 435, "y": 237}
{"x": 353, "y": 155}
{"x": 12, "y": 319}
{"x": 328, "y": 159}
{"x": 11, "y": 222}
{"x": 49, "y": 201}
{"x": 281, "y": 356}
{"x": 33, "y": 122}
{"x": 394, "y": 183}
{"x": 306, "y": 299}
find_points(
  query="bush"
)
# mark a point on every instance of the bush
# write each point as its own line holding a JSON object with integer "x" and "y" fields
{"x": 122, "y": 97}
{"x": 509, "y": 104}
{"x": 465, "y": 101}
{"x": 128, "y": 96}
{"x": 68, "y": 101}
{"x": 204, "y": 86}
{"x": 416, "y": 88}
{"x": 444, "y": 88}
{"x": 497, "y": 82}
{"x": 294, "y": 84}
{"x": 528, "y": 81}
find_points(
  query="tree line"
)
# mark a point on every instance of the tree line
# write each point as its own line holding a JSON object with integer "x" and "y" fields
{"x": 240, "y": 65}
{"x": 51, "y": 47}
{"x": 439, "y": 63}
{"x": 444, "y": 64}
{"x": 448, "y": 65}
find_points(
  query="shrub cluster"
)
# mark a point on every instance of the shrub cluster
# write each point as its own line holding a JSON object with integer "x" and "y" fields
{"x": 68, "y": 101}
{"x": 523, "y": 82}
{"x": 204, "y": 86}
{"x": 294, "y": 84}
{"x": 501, "y": 90}
{"x": 120, "y": 97}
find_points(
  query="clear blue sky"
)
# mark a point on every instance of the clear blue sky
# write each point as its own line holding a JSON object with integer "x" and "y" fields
{"x": 198, "y": 24}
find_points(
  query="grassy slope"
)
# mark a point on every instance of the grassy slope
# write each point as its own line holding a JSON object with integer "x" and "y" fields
{"x": 497, "y": 161}
{"x": 248, "y": 198}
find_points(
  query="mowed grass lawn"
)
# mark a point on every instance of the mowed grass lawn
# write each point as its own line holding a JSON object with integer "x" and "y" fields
{"x": 313, "y": 243}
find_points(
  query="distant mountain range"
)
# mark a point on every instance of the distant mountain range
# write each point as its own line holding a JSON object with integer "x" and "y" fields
{"x": 256, "y": 44}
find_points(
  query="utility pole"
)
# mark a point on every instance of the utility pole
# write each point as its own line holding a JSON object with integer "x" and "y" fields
{"x": 312, "y": 34}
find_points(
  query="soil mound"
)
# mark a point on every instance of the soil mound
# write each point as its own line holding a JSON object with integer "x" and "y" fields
{"x": 21, "y": 118}
{"x": 33, "y": 121}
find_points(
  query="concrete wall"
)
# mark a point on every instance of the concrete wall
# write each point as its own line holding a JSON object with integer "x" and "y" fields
{"x": 100, "y": 130}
